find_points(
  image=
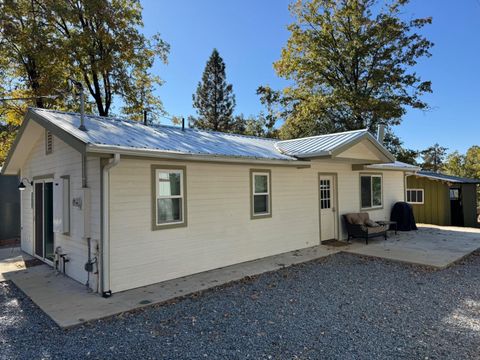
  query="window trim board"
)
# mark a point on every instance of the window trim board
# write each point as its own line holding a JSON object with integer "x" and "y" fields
{"x": 416, "y": 203}
{"x": 252, "y": 214}
{"x": 380, "y": 175}
{"x": 154, "y": 168}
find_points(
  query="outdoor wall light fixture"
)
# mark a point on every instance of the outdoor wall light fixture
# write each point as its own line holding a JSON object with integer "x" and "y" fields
{"x": 22, "y": 186}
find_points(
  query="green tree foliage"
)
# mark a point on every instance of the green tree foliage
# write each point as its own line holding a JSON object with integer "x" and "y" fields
{"x": 271, "y": 100}
{"x": 97, "y": 42}
{"x": 252, "y": 126}
{"x": 393, "y": 144}
{"x": 351, "y": 66}
{"x": 466, "y": 165}
{"x": 433, "y": 157}
{"x": 107, "y": 51}
{"x": 214, "y": 98}
{"x": 454, "y": 164}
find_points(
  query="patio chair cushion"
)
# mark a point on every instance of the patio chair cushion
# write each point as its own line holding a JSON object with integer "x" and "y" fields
{"x": 376, "y": 230}
{"x": 357, "y": 218}
{"x": 371, "y": 223}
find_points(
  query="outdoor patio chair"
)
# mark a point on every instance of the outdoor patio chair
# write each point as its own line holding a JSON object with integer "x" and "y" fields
{"x": 359, "y": 225}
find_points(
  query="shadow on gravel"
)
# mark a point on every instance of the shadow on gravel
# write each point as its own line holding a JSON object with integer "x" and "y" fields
{"x": 340, "y": 307}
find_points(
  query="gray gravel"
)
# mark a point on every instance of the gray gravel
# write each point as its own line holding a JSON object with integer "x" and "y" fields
{"x": 341, "y": 307}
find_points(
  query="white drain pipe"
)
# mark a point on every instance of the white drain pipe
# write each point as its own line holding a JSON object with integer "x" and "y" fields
{"x": 105, "y": 248}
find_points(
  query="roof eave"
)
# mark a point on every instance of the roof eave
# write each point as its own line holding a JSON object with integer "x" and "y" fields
{"x": 317, "y": 154}
{"x": 472, "y": 181}
{"x": 172, "y": 155}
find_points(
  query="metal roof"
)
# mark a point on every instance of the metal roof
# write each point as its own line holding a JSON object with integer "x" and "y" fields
{"x": 328, "y": 144}
{"x": 448, "y": 178}
{"x": 120, "y": 133}
{"x": 396, "y": 165}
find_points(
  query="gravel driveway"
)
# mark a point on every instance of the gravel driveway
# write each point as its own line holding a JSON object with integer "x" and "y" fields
{"x": 340, "y": 307}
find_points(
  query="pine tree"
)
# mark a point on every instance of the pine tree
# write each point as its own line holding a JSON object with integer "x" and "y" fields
{"x": 214, "y": 98}
{"x": 433, "y": 157}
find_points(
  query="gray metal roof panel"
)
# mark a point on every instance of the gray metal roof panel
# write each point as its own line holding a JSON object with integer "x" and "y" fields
{"x": 449, "y": 178}
{"x": 317, "y": 144}
{"x": 131, "y": 134}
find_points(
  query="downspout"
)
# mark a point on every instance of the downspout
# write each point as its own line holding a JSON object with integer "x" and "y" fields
{"x": 105, "y": 245}
{"x": 405, "y": 184}
{"x": 84, "y": 171}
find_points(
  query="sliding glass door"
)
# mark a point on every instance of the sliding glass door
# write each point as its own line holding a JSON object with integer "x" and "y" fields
{"x": 43, "y": 211}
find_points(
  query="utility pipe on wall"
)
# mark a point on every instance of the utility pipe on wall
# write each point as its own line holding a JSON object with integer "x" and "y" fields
{"x": 105, "y": 246}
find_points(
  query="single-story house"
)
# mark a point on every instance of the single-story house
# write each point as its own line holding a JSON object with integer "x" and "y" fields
{"x": 122, "y": 205}
{"x": 442, "y": 199}
{"x": 9, "y": 209}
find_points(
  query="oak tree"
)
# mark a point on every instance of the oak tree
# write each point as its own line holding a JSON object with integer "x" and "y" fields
{"x": 351, "y": 65}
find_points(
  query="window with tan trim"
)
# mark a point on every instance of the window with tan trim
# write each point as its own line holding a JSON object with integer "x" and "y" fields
{"x": 261, "y": 197}
{"x": 169, "y": 205}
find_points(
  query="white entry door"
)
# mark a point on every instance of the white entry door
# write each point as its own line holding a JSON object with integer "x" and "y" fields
{"x": 328, "y": 213}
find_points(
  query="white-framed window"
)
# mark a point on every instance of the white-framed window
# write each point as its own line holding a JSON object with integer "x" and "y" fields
{"x": 371, "y": 191}
{"x": 325, "y": 194}
{"x": 261, "y": 193}
{"x": 48, "y": 142}
{"x": 415, "y": 196}
{"x": 169, "y": 197}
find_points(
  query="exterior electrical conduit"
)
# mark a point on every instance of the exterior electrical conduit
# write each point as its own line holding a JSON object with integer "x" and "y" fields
{"x": 105, "y": 246}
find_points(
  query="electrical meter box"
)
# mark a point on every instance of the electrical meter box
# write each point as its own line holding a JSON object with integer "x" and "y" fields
{"x": 80, "y": 203}
{"x": 61, "y": 206}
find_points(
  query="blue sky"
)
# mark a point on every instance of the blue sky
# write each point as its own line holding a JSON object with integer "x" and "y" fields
{"x": 250, "y": 34}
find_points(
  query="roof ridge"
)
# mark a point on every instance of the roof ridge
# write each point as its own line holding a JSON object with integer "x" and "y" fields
{"x": 324, "y": 135}
{"x": 98, "y": 117}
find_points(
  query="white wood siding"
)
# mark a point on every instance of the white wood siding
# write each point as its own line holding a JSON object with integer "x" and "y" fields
{"x": 220, "y": 231}
{"x": 63, "y": 161}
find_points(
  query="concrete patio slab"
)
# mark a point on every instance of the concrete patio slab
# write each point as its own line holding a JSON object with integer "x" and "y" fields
{"x": 69, "y": 303}
{"x": 430, "y": 245}
{"x": 12, "y": 259}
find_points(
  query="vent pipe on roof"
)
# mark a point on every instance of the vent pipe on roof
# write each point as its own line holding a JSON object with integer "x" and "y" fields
{"x": 79, "y": 86}
{"x": 145, "y": 122}
{"x": 183, "y": 124}
{"x": 381, "y": 133}
{"x": 82, "y": 110}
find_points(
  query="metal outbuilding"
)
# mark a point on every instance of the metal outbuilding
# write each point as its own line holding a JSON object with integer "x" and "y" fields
{"x": 443, "y": 199}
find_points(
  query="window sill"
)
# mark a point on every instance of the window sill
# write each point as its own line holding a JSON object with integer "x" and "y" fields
{"x": 260, "y": 216}
{"x": 156, "y": 227}
{"x": 372, "y": 208}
